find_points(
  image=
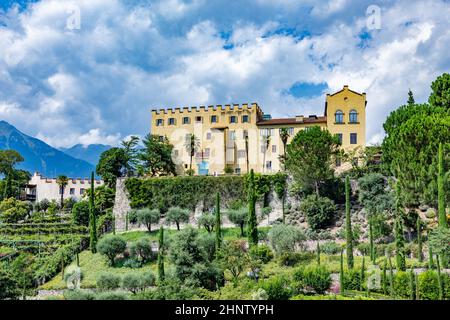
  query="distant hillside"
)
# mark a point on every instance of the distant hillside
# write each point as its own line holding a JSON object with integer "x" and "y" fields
{"x": 41, "y": 157}
{"x": 90, "y": 153}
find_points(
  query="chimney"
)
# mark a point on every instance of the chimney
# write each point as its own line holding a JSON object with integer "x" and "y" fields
{"x": 299, "y": 118}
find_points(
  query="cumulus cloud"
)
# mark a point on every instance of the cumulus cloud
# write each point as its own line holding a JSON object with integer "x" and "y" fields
{"x": 98, "y": 83}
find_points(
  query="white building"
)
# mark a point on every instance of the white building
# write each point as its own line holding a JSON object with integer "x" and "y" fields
{"x": 40, "y": 188}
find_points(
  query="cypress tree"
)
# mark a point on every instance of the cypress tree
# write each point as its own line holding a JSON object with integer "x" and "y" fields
{"x": 372, "y": 249}
{"x": 416, "y": 284}
{"x": 419, "y": 240}
{"x": 411, "y": 284}
{"x": 362, "y": 275}
{"x": 399, "y": 237}
{"x": 126, "y": 221}
{"x": 348, "y": 225}
{"x": 161, "y": 274}
{"x": 218, "y": 224}
{"x": 341, "y": 273}
{"x": 252, "y": 222}
{"x": 384, "y": 284}
{"x": 391, "y": 277}
{"x": 441, "y": 192}
{"x": 441, "y": 286}
{"x": 92, "y": 218}
{"x": 318, "y": 253}
{"x": 430, "y": 258}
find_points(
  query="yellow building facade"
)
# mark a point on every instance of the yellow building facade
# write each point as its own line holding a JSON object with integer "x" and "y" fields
{"x": 242, "y": 137}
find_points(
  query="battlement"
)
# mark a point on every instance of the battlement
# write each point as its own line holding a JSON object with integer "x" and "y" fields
{"x": 204, "y": 109}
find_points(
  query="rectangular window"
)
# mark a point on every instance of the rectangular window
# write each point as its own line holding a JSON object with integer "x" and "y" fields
{"x": 213, "y": 119}
{"x": 232, "y": 135}
{"x": 266, "y": 132}
{"x": 245, "y": 119}
{"x": 233, "y": 119}
{"x": 274, "y": 149}
{"x": 159, "y": 122}
{"x": 339, "y": 135}
{"x": 241, "y": 154}
{"x": 198, "y": 119}
{"x": 208, "y": 136}
{"x": 82, "y": 191}
{"x": 353, "y": 138}
{"x": 186, "y": 120}
{"x": 237, "y": 170}
{"x": 171, "y": 121}
{"x": 269, "y": 165}
{"x": 72, "y": 191}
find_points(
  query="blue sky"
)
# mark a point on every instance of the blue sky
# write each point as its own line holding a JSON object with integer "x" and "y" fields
{"x": 97, "y": 83}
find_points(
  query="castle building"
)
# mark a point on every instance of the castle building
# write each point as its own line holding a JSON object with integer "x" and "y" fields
{"x": 40, "y": 188}
{"x": 242, "y": 137}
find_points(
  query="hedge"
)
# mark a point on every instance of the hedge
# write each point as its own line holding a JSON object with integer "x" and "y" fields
{"x": 188, "y": 191}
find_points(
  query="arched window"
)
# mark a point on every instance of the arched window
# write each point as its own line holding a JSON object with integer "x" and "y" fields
{"x": 353, "y": 116}
{"x": 339, "y": 117}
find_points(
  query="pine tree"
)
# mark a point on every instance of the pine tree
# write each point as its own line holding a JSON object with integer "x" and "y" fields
{"x": 399, "y": 237}
{"x": 441, "y": 192}
{"x": 419, "y": 239}
{"x": 441, "y": 286}
{"x": 411, "y": 100}
{"x": 362, "y": 275}
{"x": 341, "y": 272}
{"x": 252, "y": 222}
{"x": 348, "y": 225}
{"x": 218, "y": 223}
{"x": 92, "y": 219}
{"x": 372, "y": 249}
{"x": 318, "y": 253}
{"x": 161, "y": 274}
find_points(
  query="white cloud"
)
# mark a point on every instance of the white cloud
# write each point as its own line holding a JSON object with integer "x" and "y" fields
{"x": 97, "y": 84}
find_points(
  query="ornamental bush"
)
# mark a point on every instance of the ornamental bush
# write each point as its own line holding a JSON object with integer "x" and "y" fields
{"x": 111, "y": 246}
{"x": 277, "y": 288}
{"x": 319, "y": 211}
{"x": 429, "y": 285}
{"x": 402, "y": 286}
{"x": 330, "y": 248}
{"x": 261, "y": 252}
{"x": 317, "y": 278}
{"x": 111, "y": 296}
{"x": 108, "y": 281}
{"x": 142, "y": 250}
{"x": 352, "y": 279}
{"x": 286, "y": 238}
{"x": 290, "y": 259}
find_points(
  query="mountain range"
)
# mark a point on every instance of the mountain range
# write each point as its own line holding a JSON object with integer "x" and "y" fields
{"x": 89, "y": 153}
{"x": 76, "y": 162}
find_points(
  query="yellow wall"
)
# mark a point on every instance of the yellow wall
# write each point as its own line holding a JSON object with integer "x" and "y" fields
{"x": 217, "y": 137}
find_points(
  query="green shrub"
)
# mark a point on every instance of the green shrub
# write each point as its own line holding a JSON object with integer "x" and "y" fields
{"x": 147, "y": 217}
{"x": 78, "y": 295}
{"x": 364, "y": 248}
{"x": 286, "y": 238}
{"x": 111, "y": 246}
{"x": 261, "y": 252}
{"x": 318, "y": 278}
{"x": 293, "y": 258}
{"x": 108, "y": 281}
{"x": 132, "y": 263}
{"x": 277, "y": 288}
{"x": 111, "y": 296}
{"x": 402, "y": 284}
{"x": 330, "y": 248}
{"x": 352, "y": 279}
{"x": 319, "y": 211}
{"x": 428, "y": 285}
{"x": 142, "y": 250}
{"x": 133, "y": 282}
